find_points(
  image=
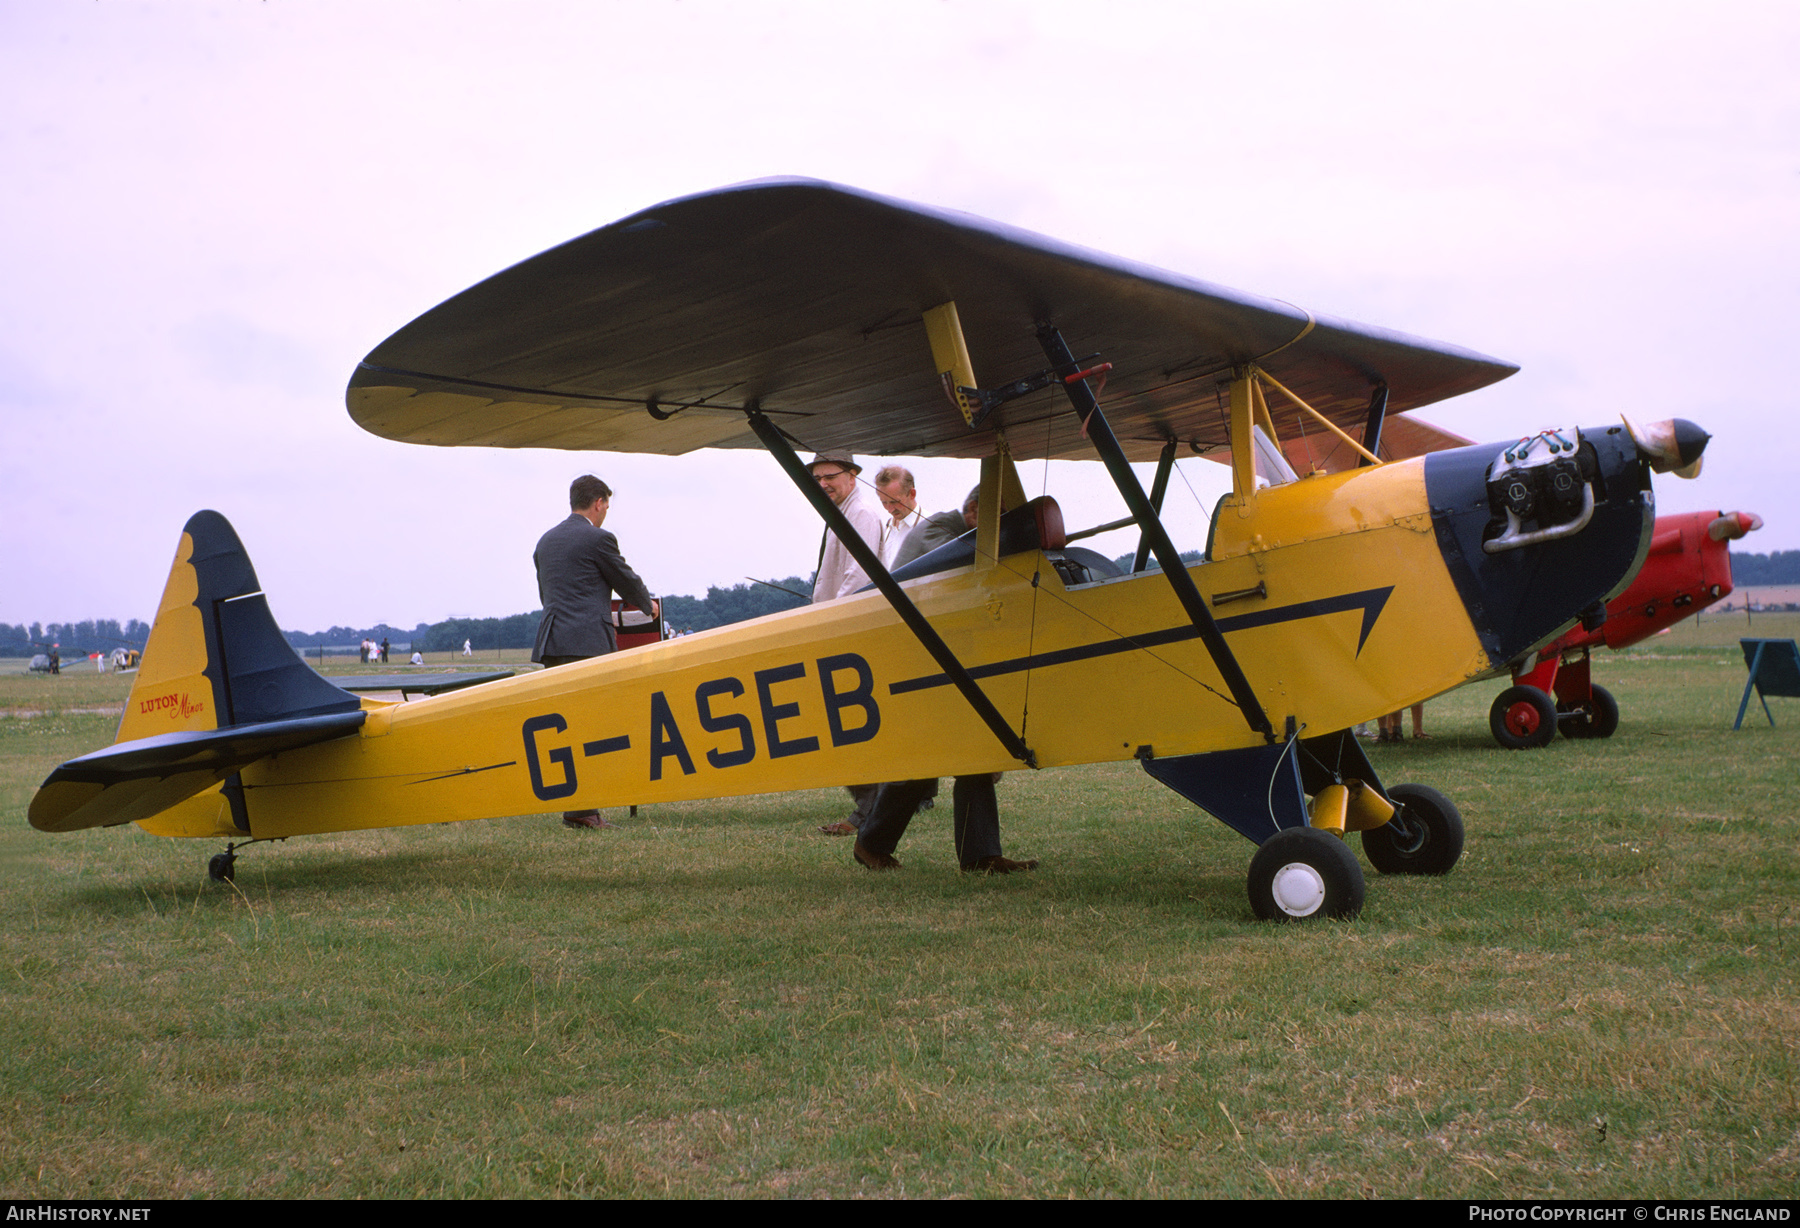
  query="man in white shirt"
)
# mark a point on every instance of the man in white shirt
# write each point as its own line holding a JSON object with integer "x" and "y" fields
{"x": 840, "y": 575}
{"x": 894, "y": 487}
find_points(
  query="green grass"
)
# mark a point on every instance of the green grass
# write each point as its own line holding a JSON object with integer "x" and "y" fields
{"x": 1599, "y": 1001}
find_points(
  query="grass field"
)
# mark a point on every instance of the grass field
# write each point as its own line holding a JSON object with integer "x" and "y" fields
{"x": 1599, "y": 1002}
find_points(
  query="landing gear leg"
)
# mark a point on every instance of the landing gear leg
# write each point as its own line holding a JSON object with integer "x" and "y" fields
{"x": 1299, "y": 871}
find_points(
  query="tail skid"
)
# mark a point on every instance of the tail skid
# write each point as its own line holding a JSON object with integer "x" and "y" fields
{"x": 219, "y": 689}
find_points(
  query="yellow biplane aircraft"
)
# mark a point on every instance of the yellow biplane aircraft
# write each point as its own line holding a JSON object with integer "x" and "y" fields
{"x": 796, "y": 313}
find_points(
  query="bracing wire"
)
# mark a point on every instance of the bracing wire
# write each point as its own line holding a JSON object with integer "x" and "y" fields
{"x": 1036, "y": 586}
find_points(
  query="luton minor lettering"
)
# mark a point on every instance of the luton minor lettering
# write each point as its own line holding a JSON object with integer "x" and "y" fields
{"x": 174, "y": 704}
{"x": 725, "y": 723}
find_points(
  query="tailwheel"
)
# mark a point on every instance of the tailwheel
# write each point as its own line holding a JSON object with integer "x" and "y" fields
{"x": 1302, "y": 873}
{"x": 223, "y": 866}
{"x": 1599, "y": 719}
{"x": 1523, "y": 718}
{"x": 1425, "y": 836}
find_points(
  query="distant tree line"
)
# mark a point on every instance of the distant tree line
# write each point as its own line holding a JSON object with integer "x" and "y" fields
{"x": 513, "y": 631}
{"x": 93, "y": 635}
{"x": 723, "y": 606}
{"x": 1124, "y": 561}
{"x": 1780, "y": 567}
{"x": 350, "y": 637}
{"x": 720, "y": 607}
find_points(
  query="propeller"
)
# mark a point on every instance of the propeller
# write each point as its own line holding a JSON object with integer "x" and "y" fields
{"x": 1673, "y": 445}
{"x": 1729, "y": 526}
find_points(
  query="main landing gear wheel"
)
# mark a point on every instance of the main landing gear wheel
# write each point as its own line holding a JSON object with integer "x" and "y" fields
{"x": 1523, "y": 718}
{"x": 1425, "y": 836}
{"x": 1303, "y": 873}
{"x": 223, "y": 866}
{"x": 1599, "y": 720}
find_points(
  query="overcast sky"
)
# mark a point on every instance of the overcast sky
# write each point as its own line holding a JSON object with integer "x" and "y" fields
{"x": 213, "y": 211}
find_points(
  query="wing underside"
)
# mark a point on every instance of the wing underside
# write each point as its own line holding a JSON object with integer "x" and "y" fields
{"x": 653, "y": 334}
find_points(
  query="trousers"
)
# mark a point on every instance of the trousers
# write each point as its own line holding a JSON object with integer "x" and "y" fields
{"x": 976, "y": 826}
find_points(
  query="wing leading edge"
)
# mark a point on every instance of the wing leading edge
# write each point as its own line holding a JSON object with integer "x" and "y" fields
{"x": 652, "y": 335}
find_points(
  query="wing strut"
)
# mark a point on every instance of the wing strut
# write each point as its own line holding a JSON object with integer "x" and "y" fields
{"x": 1158, "y": 489}
{"x": 1100, "y": 434}
{"x": 890, "y": 588}
{"x": 1372, "y": 432}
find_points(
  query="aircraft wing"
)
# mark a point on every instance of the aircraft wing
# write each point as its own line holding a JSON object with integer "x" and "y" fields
{"x": 653, "y": 333}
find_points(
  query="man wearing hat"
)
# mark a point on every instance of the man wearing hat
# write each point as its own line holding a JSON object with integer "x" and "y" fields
{"x": 840, "y": 575}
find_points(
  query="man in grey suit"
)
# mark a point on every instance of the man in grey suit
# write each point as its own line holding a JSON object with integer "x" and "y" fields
{"x": 578, "y": 568}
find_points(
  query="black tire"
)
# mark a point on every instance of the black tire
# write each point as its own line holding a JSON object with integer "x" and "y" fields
{"x": 1606, "y": 714}
{"x": 222, "y": 868}
{"x": 1304, "y": 873}
{"x": 1522, "y": 718}
{"x": 1599, "y": 720}
{"x": 1425, "y": 836}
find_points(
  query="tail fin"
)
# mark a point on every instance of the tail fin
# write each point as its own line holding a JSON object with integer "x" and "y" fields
{"x": 215, "y": 657}
{"x": 219, "y": 687}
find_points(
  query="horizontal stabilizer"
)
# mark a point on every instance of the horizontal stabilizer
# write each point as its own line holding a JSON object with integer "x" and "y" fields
{"x": 419, "y": 684}
{"x": 138, "y": 779}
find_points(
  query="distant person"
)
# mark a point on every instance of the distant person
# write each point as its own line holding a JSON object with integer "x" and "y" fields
{"x": 840, "y": 574}
{"x": 578, "y": 568}
{"x": 468, "y": 649}
{"x": 894, "y": 487}
{"x": 386, "y": 657}
{"x": 55, "y": 659}
{"x": 418, "y": 658}
{"x": 1390, "y": 724}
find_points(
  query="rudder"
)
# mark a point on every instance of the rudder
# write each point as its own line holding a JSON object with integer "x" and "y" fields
{"x": 215, "y": 664}
{"x": 215, "y": 657}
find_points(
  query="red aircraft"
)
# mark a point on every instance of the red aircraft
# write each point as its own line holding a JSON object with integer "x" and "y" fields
{"x": 1687, "y": 568}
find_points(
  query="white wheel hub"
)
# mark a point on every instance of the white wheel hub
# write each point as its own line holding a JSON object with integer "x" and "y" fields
{"x": 1299, "y": 889}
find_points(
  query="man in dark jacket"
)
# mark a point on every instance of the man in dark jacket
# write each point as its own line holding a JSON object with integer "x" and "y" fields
{"x": 975, "y": 822}
{"x": 938, "y": 530}
{"x": 578, "y": 568}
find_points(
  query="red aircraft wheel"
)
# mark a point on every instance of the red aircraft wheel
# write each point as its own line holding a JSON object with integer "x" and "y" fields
{"x": 1522, "y": 718}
